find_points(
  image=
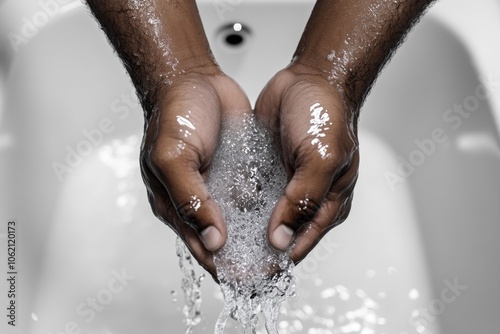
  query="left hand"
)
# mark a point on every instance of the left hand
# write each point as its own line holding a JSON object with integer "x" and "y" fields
{"x": 318, "y": 135}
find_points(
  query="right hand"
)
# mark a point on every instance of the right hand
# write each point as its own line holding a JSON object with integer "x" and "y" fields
{"x": 180, "y": 139}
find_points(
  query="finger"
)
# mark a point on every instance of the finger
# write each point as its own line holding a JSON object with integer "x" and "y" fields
{"x": 332, "y": 213}
{"x": 334, "y": 210}
{"x": 269, "y": 101}
{"x": 199, "y": 252}
{"x": 306, "y": 192}
{"x": 302, "y": 199}
{"x": 185, "y": 186}
{"x": 234, "y": 100}
{"x": 165, "y": 211}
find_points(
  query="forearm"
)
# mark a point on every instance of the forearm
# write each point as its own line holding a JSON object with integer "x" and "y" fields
{"x": 348, "y": 42}
{"x": 158, "y": 42}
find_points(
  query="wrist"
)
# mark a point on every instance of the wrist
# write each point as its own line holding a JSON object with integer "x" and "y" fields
{"x": 176, "y": 86}
{"x": 344, "y": 74}
{"x": 310, "y": 66}
{"x": 326, "y": 73}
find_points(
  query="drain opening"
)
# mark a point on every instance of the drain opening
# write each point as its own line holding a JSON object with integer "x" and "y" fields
{"x": 234, "y": 39}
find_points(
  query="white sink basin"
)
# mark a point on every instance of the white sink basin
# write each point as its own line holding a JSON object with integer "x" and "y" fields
{"x": 92, "y": 257}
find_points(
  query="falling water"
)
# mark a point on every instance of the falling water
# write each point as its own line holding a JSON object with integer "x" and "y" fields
{"x": 191, "y": 284}
{"x": 247, "y": 179}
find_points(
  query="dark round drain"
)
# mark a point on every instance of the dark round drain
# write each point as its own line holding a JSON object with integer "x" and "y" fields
{"x": 234, "y": 39}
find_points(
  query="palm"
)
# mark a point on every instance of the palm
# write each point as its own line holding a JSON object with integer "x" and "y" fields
{"x": 179, "y": 142}
{"x": 318, "y": 135}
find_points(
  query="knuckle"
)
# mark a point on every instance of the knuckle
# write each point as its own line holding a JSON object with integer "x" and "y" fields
{"x": 156, "y": 212}
{"x": 161, "y": 157}
{"x": 318, "y": 230}
{"x": 162, "y": 209}
{"x": 158, "y": 209}
{"x": 346, "y": 183}
{"x": 345, "y": 179}
{"x": 332, "y": 163}
{"x": 188, "y": 213}
{"x": 343, "y": 210}
{"x": 173, "y": 154}
{"x": 304, "y": 210}
{"x": 338, "y": 207}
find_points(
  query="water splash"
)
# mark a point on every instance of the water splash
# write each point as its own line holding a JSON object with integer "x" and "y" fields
{"x": 191, "y": 286}
{"x": 247, "y": 178}
{"x": 354, "y": 312}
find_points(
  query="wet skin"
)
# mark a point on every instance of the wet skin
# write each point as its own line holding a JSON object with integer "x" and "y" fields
{"x": 312, "y": 106}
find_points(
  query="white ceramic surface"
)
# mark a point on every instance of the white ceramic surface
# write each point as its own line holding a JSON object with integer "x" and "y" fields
{"x": 80, "y": 231}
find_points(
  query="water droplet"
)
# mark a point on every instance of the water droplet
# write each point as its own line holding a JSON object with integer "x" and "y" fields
{"x": 328, "y": 293}
{"x": 370, "y": 318}
{"x": 413, "y": 294}
{"x": 361, "y": 294}
{"x": 370, "y": 303}
{"x": 370, "y": 273}
{"x": 191, "y": 287}
{"x": 330, "y": 310}
{"x": 318, "y": 281}
{"x": 352, "y": 327}
{"x": 183, "y": 121}
{"x": 392, "y": 271}
{"x": 308, "y": 309}
{"x": 318, "y": 125}
{"x": 367, "y": 330}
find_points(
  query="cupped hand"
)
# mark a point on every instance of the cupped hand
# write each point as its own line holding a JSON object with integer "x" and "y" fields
{"x": 317, "y": 131}
{"x": 180, "y": 139}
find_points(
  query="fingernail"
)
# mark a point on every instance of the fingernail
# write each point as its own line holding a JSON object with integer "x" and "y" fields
{"x": 211, "y": 238}
{"x": 282, "y": 237}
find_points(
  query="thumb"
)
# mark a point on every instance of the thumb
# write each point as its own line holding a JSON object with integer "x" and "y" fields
{"x": 267, "y": 106}
{"x": 193, "y": 203}
{"x": 303, "y": 197}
